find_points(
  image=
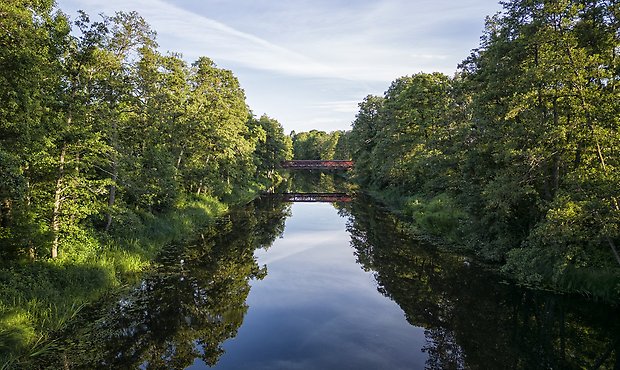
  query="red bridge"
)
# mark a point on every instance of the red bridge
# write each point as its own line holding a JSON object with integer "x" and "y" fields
{"x": 317, "y": 165}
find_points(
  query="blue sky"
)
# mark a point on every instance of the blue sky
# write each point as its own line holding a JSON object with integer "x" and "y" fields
{"x": 308, "y": 63}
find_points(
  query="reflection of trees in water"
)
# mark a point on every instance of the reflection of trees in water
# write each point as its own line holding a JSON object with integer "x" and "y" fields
{"x": 443, "y": 350}
{"x": 195, "y": 300}
{"x": 186, "y": 307}
{"x": 470, "y": 319}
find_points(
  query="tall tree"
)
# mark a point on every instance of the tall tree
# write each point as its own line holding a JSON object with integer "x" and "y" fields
{"x": 220, "y": 147}
{"x": 31, "y": 46}
{"x": 129, "y": 34}
{"x": 272, "y": 148}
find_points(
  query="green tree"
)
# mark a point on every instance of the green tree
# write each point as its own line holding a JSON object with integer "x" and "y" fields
{"x": 521, "y": 145}
{"x": 546, "y": 125}
{"x": 272, "y": 148}
{"x": 365, "y": 128}
{"x": 315, "y": 144}
{"x": 129, "y": 37}
{"x": 219, "y": 155}
{"x": 31, "y": 47}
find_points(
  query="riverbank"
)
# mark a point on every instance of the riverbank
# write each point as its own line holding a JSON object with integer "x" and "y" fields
{"x": 441, "y": 221}
{"x": 40, "y": 298}
{"x": 267, "y": 272}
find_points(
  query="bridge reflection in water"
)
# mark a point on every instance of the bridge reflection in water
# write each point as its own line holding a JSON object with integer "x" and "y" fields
{"x": 311, "y": 164}
{"x": 314, "y": 197}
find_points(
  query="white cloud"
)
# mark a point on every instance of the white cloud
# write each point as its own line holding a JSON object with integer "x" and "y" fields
{"x": 344, "y": 106}
{"x": 359, "y": 45}
{"x": 195, "y": 35}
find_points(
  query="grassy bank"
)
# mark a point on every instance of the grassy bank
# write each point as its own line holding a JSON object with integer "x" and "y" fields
{"x": 39, "y": 298}
{"x": 442, "y": 221}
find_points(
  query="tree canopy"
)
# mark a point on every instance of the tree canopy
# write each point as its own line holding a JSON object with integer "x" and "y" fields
{"x": 320, "y": 145}
{"x": 97, "y": 125}
{"x": 516, "y": 156}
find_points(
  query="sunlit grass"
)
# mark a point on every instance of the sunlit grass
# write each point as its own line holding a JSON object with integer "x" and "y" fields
{"x": 40, "y": 298}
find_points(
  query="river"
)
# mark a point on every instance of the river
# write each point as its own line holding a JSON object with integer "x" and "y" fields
{"x": 280, "y": 285}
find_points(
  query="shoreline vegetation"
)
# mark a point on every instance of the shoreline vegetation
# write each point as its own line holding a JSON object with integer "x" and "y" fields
{"x": 43, "y": 296}
{"x": 46, "y": 295}
{"x": 109, "y": 152}
{"x": 516, "y": 157}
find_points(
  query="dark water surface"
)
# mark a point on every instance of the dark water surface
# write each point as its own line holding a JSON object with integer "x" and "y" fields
{"x": 277, "y": 285}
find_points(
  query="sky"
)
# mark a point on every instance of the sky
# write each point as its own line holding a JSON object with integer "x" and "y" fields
{"x": 308, "y": 63}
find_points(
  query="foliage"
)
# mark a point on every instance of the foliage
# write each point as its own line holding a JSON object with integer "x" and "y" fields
{"x": 185, "y": 307}
{"x": 46, "y": 294}
{"x": 102, "y": 141}
{"x": 523, "y": 141}
{"x": 439, "y": 216}
{"x": 320, "y": 145}
{"x": 272, "y": 148}
{"x": 452, "y": 298}
{"x": 99, "y": 124}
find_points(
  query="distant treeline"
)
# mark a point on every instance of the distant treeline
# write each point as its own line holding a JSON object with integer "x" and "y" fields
{"x": 316, "y": 144}
{"x": 516, "y": 157}
{"x": 96, "y": 127}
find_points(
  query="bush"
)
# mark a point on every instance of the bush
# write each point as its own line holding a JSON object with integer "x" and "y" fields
{"x": 439, "y": 216}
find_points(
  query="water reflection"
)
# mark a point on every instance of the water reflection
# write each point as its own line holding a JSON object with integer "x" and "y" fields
{"x": 472, "y": 320}
{"x": 186, "y": 308}
{"x": 316, "y": 308}
{"x": 315, "y": 197}
{"x": 314, "y": 187}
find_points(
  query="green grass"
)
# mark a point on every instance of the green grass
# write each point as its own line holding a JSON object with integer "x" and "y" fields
{"x": 39, "y": 298}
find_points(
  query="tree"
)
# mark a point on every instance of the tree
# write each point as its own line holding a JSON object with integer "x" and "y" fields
{"x": 315, "y": 144}
{"x": 31, "y": 46}
{"x": 272, "y": 148}
{"x": 521, "y": 143}
{"x": 545, "y": 116}
{"x": 365, "y": 128}
{"x": 221, "y": 147}
{"x": 129, "y": 36}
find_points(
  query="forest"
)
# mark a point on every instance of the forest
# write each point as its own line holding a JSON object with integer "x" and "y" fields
{"x": 516, "y": 157}
{"x": 109, "y": 150}
{"x": 316, "y": 144}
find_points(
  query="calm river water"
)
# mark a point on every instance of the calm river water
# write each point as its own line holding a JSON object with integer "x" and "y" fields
{"x": 318, "y": 308}
{"x": 280, "y": 285}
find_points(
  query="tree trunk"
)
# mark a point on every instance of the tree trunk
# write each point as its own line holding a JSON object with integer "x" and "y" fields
{"x": 58, "y": 201}
{"x": 599, "y": 152}
{"x": 31, "y": 250}
{"x": 179, "y": 160}
{"x": 555, "y": 173}
{"x": 578, "y": 153}
{"x": 112, "y": 193}
{"x": 114, "y": 171}
{"x": 613, "y": 249}
{"x": 199, "y": 188}
{"x": 5, "y": 212}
